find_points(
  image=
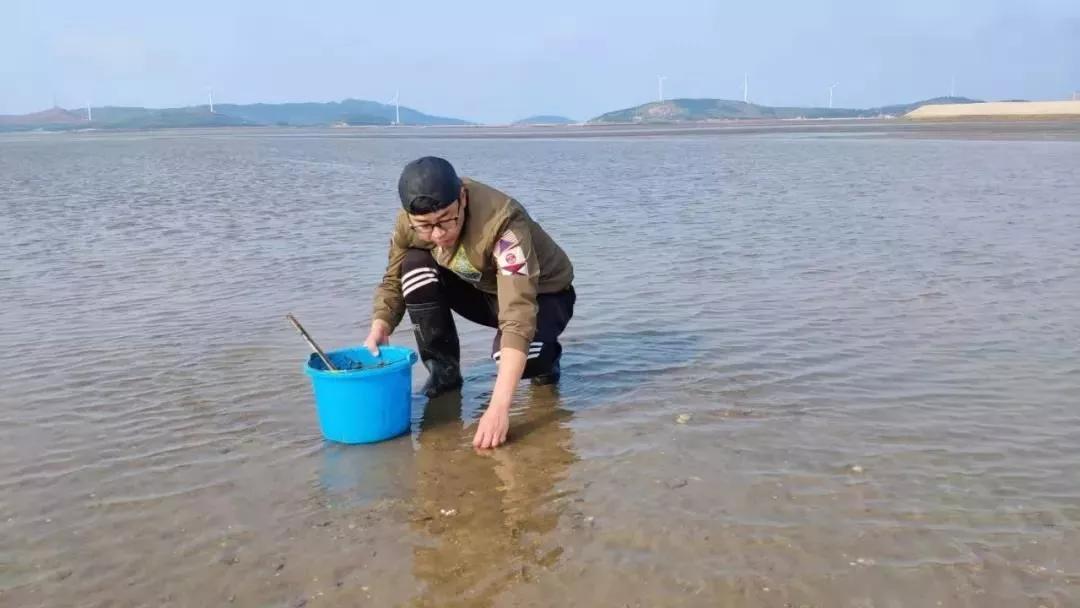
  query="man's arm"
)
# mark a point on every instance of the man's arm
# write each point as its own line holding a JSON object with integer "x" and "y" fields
{"x": 495, "y": 423}
{"x": 388, "y": 307}
{"x": 517, "y": 281}
{"x": 389, "y": 304}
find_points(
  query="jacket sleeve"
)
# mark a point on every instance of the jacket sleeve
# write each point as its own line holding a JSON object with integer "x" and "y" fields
{"x": 517, "y": 278}
{"x": 389, "y": 305}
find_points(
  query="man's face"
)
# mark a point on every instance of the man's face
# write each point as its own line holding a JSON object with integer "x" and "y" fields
{"x": 442, "y": 227}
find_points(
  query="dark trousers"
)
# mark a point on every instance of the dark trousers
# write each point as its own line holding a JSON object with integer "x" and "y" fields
{"x": 432, "y": 291}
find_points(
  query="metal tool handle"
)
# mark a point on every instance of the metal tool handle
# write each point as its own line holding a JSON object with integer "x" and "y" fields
{"x": 311, "y": 343}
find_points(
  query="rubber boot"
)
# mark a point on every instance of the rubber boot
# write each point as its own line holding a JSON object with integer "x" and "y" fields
{"x": 437, "y": 341}
{"x": 549, "y": 377}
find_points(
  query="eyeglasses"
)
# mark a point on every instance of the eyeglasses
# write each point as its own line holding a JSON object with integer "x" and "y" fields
{"x": 443, "y": 225}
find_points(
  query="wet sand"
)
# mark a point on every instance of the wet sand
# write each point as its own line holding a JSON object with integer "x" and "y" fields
{"x": 806, "y": 369}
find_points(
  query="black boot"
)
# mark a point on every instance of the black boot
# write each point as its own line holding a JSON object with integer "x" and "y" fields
{"x": 437, "y": 341}
{"x": 549, "y": 377}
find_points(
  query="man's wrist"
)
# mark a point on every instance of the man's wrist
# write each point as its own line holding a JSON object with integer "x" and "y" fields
{"x": 501, "y": 404}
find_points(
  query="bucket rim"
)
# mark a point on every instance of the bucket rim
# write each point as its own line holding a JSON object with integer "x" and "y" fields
{"x": 407, "y": 361}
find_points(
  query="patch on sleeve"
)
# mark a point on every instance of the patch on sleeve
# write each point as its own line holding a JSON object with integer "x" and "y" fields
{"x": 506, "y": 241}
{"x": 509, "y": 256}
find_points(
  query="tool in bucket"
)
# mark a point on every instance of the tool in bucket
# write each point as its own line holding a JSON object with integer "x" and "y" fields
{"x": 311, "y": 343}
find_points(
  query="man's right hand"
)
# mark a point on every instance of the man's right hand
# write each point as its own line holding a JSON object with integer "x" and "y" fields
{"x": 380, "y": 334}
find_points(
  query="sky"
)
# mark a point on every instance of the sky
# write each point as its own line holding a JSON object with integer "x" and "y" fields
{"x": 500, "y": 61}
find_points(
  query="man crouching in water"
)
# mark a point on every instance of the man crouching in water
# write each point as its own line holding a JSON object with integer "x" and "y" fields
{"x": 461, "y": 245}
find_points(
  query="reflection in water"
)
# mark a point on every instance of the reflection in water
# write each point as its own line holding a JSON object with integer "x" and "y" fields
{"x": 358, "y": 475}
{"x": 486, "y": 514}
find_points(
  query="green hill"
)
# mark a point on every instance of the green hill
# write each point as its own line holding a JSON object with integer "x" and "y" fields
{"x": 174, "y": 118}
{"x": 349, "y": 111}
{"x": 57, "y": 116}
{"x": 701, "y": 110}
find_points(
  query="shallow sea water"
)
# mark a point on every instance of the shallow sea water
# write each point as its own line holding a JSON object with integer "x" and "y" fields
{"x": 804, "y": 370}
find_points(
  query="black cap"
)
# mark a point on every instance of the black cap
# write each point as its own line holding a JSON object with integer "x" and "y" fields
{"x": 428, "y": 184}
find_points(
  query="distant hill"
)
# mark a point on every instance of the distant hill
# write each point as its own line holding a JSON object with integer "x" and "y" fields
{"x": 545, "y": 119}
{"x": 900, "y": 110}
{"x": 57, "y": 116}
{"x": 348, "y": 112}
{"x": 700, "y": 110}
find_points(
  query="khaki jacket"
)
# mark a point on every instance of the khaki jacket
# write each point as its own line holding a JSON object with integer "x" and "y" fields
{"x": 501, "y": 251}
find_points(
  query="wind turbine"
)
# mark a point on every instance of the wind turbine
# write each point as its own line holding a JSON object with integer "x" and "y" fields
{"x": 210, "y": 93}
{"x": 397, "y": 106}
{"x": 745, "y": 88}
{"x": 660, "y": 86}
{"x": 89, "y": 113}
{"x": 831, "y": 93}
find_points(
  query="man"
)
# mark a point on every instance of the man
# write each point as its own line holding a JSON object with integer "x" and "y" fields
{"x": 464, "y": 246}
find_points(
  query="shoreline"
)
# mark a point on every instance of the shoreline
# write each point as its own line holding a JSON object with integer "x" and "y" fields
{"x": 966, "y": 127}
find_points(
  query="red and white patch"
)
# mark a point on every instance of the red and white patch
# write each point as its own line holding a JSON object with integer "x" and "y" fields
{"x": 511, "y": 262}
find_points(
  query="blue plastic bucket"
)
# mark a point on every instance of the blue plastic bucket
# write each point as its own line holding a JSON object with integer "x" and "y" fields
{"x": 363, "y": 405}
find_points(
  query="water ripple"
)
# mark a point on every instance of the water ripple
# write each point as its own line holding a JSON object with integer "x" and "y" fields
{"x": 804, "y": 370}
